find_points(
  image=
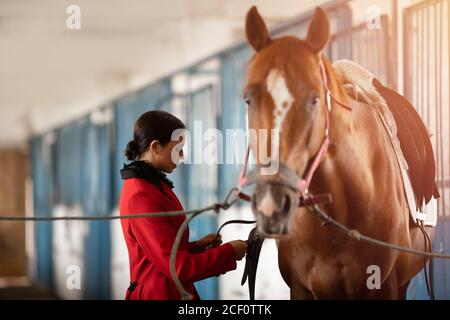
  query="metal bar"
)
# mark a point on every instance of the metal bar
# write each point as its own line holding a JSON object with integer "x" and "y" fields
{"x": 387, "y": 53}
{"x": 428, "y": 96}
{"x": 421, "y": 76}
{"x": 418, "y": 6}
{"x": 444, "y": 182}
{"x": 415, "y": 72}
{"x": 371, "y": 50}
{"x": 447, "y": 108}
{"x": 367, "y": 50}
{"x": 377, "y": 69}
{"x": 406, "y": 58}
{"x": 384, "y": 63}
{"x": 352, "y": 30}
{"x": 448, "y": 74}
{"x": 392, "y": 67}
{"x": 439, "y": 106}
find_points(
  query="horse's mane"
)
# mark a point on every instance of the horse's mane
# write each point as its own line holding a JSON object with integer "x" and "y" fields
{"x": 335, "y": 82}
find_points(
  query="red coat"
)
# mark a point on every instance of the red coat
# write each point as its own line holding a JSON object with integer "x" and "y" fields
{"x": 149, "y": 242}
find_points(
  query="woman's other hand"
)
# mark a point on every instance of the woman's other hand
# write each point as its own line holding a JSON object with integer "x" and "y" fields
{"x": 240, "y": 248}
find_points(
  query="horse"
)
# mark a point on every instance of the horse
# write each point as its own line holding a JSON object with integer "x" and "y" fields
{"x": 285, "y": 90}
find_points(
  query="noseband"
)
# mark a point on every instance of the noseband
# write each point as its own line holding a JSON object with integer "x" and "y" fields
{"x": 287, "y": 177}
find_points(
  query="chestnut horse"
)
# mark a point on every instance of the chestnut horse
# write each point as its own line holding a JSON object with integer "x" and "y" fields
{"x": 285, "y": 91}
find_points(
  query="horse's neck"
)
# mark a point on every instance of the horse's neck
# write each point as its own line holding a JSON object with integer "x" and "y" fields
{"x": 357, "y": 161}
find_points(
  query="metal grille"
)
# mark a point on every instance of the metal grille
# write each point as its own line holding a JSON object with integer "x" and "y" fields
{"x": 368, "y": 47}
{"x": 426, "y": 80}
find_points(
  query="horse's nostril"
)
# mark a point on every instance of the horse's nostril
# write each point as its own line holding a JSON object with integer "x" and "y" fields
{"x": 287, "y": 204}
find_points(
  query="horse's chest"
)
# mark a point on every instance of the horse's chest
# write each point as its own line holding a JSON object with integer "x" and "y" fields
{"x": 330, "y": 280}
{"x": 323, "y": 277}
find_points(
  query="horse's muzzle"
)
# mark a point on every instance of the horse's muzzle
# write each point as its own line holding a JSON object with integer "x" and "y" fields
{"x": 273, "y": 205}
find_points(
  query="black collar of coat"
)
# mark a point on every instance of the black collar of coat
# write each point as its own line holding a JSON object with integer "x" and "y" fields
{"x": 143, "y": 170}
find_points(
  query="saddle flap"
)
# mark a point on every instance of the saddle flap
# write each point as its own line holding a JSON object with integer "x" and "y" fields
{"x": 415, "y": 144}
{"x": 409, "y": 136}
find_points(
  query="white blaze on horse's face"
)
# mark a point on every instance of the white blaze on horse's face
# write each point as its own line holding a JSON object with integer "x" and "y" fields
{"x": 283, "y": 100}
{"x": 276, "y": 85}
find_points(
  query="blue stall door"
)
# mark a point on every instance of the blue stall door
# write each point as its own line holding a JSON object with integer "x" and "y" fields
{"x": 417, "y": 289}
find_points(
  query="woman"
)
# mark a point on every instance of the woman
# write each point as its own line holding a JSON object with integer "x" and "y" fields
{"x": 149, "y": 240}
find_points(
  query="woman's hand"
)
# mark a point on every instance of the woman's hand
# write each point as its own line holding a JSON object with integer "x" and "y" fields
{"x": 209, "y": 241}
{"x": 240, "y": 248}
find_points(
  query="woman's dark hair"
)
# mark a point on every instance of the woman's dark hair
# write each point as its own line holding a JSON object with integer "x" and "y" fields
{"x": 152, "y": 125}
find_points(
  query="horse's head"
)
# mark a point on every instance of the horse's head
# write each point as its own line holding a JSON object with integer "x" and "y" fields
{"x": 285, "y": 91}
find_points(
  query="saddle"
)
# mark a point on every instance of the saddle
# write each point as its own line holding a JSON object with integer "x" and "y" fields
{"x": 408, "y": 134}
{"x": 415, "y": 144}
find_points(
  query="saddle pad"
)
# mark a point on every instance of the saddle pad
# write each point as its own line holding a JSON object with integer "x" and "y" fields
{"x": 360, "y": 82}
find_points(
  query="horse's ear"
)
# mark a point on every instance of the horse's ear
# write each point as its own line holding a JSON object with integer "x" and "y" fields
{"x": 255, "y": 30}
{"x": 318, "y": 30}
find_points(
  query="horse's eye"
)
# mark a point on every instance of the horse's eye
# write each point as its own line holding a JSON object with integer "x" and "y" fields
{"x": 247, "y": 101}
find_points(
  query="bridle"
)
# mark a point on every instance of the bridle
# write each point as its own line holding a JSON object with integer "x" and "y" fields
{"x": 286, "y": 176}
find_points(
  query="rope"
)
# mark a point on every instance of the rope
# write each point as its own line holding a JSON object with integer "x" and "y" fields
{"x": 226, "y": 204}
{"x": 173, "y": 255}
{"x": 355, "y": 234}
{"x": 92, "y": 218}
{"x": 428, "y": 279}
{"x": 230, "y": 200}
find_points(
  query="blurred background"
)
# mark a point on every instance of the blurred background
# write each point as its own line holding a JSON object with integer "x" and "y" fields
{"x": 69, "y": 96}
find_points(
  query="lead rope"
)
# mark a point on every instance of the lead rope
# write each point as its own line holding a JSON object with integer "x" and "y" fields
{"x": 233, "y": 221}
{"x": 355, "y": 234}
{"x": 428, "y": 273}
